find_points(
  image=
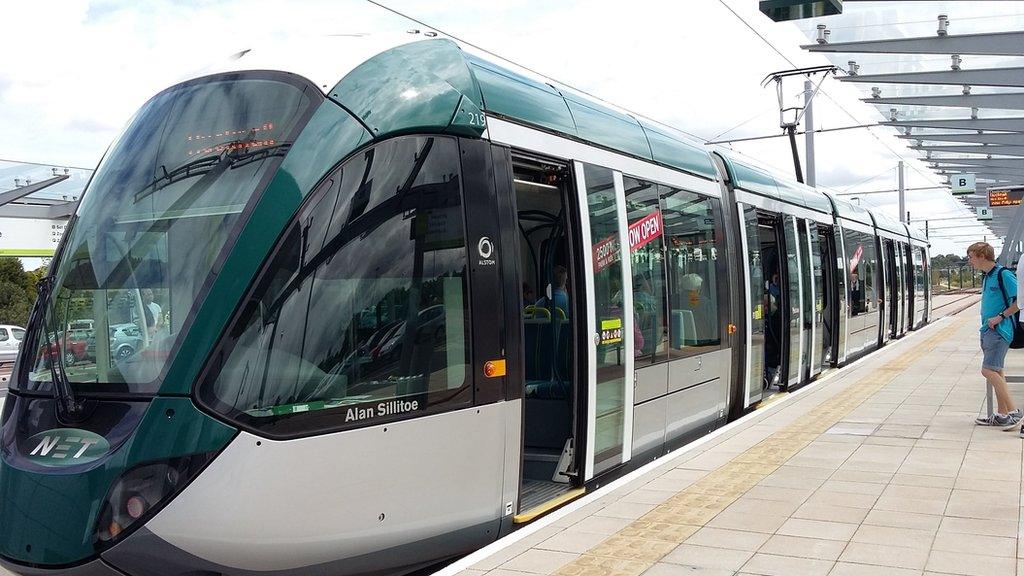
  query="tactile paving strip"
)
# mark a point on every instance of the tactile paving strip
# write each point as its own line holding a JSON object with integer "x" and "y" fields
{"x": 647, "y": 540}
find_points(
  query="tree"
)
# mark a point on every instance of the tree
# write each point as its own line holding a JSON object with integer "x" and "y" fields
{"x": 948, "y": 261}
{"x": 17, "y": 292}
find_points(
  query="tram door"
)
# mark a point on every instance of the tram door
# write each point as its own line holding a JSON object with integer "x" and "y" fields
{"x": 756, "y": 305}
{"x": 771, "y": 295}
{"x": 810, "y": 283}
{"x": 611, "y": 345}
{"x": 754, "y": 289}
{"x": 892, "y": 288}
{"x": 901, "y": 280}
{"x": 885, "y": 291}
{"x": 826, "y": 305}
{"x": 794, "y": 300}
{"x": 552, "y": 289}
{"x": 815, "y": 308}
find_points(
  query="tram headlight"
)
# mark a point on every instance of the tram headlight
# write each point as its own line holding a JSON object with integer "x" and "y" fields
{"x": 140, "y": 492}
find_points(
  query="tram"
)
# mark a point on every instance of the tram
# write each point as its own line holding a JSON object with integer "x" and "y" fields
{"x": 377, "y": 314}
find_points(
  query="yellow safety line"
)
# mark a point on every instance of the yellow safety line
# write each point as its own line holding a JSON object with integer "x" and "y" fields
{"x": 548, "y": 506}
{"x": 771, "y": 400}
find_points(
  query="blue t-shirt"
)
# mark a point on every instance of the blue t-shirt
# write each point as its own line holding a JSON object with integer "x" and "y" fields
{"x": 993, "y": 301}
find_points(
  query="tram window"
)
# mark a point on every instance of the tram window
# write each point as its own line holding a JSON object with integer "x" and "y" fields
{"x": 693, "y": 248}
{"x": 375, "y": 324}
{"x": 647, "y": 256}
{"x": 863, "y": 265}
{"x": 159, "y": 212}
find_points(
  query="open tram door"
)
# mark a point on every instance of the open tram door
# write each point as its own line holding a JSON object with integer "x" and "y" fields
{"x": 766, "y": 306}
{"x": 892, "y": 290}
{"x": 551, "y": 288}
{"x": 832, "y": 287}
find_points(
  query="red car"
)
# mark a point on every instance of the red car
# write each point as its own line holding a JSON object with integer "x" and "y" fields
{"x": 73, "y": 349}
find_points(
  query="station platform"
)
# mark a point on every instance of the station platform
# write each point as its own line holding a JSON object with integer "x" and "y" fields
{"x": 876, "y": 469}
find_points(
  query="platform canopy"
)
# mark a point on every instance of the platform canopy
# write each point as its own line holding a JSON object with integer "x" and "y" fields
{"x": 955, "y": 98}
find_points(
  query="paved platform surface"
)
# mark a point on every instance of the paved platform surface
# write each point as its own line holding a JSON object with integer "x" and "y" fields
{"x": 877, "y": 470}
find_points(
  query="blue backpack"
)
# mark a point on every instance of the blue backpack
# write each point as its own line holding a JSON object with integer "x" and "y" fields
{"x": 1018, "y": 332}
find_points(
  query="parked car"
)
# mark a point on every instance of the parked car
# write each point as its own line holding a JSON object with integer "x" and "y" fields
{"x": 68, "y": 344}
{"x": 125, "y": 340}
{"x": 10, "y": 342}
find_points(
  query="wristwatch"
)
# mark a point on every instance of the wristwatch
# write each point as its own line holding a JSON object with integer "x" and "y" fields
{"x": 1003, "y": 316}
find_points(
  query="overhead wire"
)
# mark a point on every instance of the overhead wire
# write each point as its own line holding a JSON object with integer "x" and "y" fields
{"x": 865, "y": 181}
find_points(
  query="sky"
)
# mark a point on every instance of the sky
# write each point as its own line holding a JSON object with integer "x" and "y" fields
{"x": 72, "y": 77}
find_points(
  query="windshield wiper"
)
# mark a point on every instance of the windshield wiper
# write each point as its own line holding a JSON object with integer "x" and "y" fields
{"x": 67, "y": 405}
{"x": 205, "y": 164}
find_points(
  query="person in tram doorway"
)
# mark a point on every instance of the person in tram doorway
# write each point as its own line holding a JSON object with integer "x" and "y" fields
{"x": 996, "y": 331}
{"x": 559, "y": 294}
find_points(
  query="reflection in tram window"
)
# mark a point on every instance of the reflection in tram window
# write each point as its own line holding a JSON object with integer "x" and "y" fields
{"x": 863, "y": 264}
{"x": 647, "y": 255}
{"x": 374, "y": 322}
{"x": 692, "y": 264}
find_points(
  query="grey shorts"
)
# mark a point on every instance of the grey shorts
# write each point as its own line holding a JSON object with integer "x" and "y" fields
{"x": 994, "y": 347}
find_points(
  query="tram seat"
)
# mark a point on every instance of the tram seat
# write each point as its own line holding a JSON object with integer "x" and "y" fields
{"x": 682, "y": 328}
{"x": 537, "y": 336}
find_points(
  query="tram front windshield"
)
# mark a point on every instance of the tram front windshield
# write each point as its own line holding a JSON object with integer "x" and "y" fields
{"x": 151, "y": 226}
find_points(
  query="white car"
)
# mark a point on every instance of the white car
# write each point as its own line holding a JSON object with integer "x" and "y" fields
{"x": 10, "y": 342}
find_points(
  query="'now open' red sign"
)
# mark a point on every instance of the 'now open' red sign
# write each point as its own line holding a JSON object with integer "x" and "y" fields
{"x": 645, "y": 230}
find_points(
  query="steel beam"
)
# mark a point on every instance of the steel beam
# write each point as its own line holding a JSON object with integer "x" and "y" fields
{"x": 981, "y": 174}
{"x": 1007, "y": 172}
{"x": 994, "y": 179}
{"x": 1009, "y": 101}
{"x": 1015, "y": 124}
{"x": 1009, "y": 139}
{"x": 62, "y": 211}
{"x": 17, "y": 193}
{"x": 981, "y": 162}
{"x": 994, "y": 150}
{"x": 39, "y": 208}
{"x": 984, "y": 77}
{"x": 993, "y": 44}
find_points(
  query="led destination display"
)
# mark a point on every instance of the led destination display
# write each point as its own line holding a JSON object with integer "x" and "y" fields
{"x": 1007, "y": 197}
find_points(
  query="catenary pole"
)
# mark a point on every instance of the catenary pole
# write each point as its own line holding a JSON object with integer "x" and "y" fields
{"x": 809, "y": 130}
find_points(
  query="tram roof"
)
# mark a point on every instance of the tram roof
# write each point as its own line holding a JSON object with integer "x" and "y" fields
{"x": 886, "y": 222}
{"x": 395, "y": 86}
{"x": 757, "y": 180}
{"x": 455, "y": 80}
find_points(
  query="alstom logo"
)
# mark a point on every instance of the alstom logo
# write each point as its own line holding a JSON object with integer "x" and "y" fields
{"x": 67, "y": 447}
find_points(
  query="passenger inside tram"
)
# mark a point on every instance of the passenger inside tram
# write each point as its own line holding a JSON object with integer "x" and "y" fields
{"x": 772, "y": 321}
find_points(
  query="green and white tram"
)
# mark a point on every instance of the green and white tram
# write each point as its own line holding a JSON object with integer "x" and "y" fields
{"x": 376, "y": 315}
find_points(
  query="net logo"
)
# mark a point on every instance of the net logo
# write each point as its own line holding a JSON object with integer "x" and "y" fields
{"x": 67, "y": 447}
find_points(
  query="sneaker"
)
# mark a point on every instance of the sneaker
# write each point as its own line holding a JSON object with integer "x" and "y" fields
{"x": 985, "y": 420}
{"x": 1008, "y": 422}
